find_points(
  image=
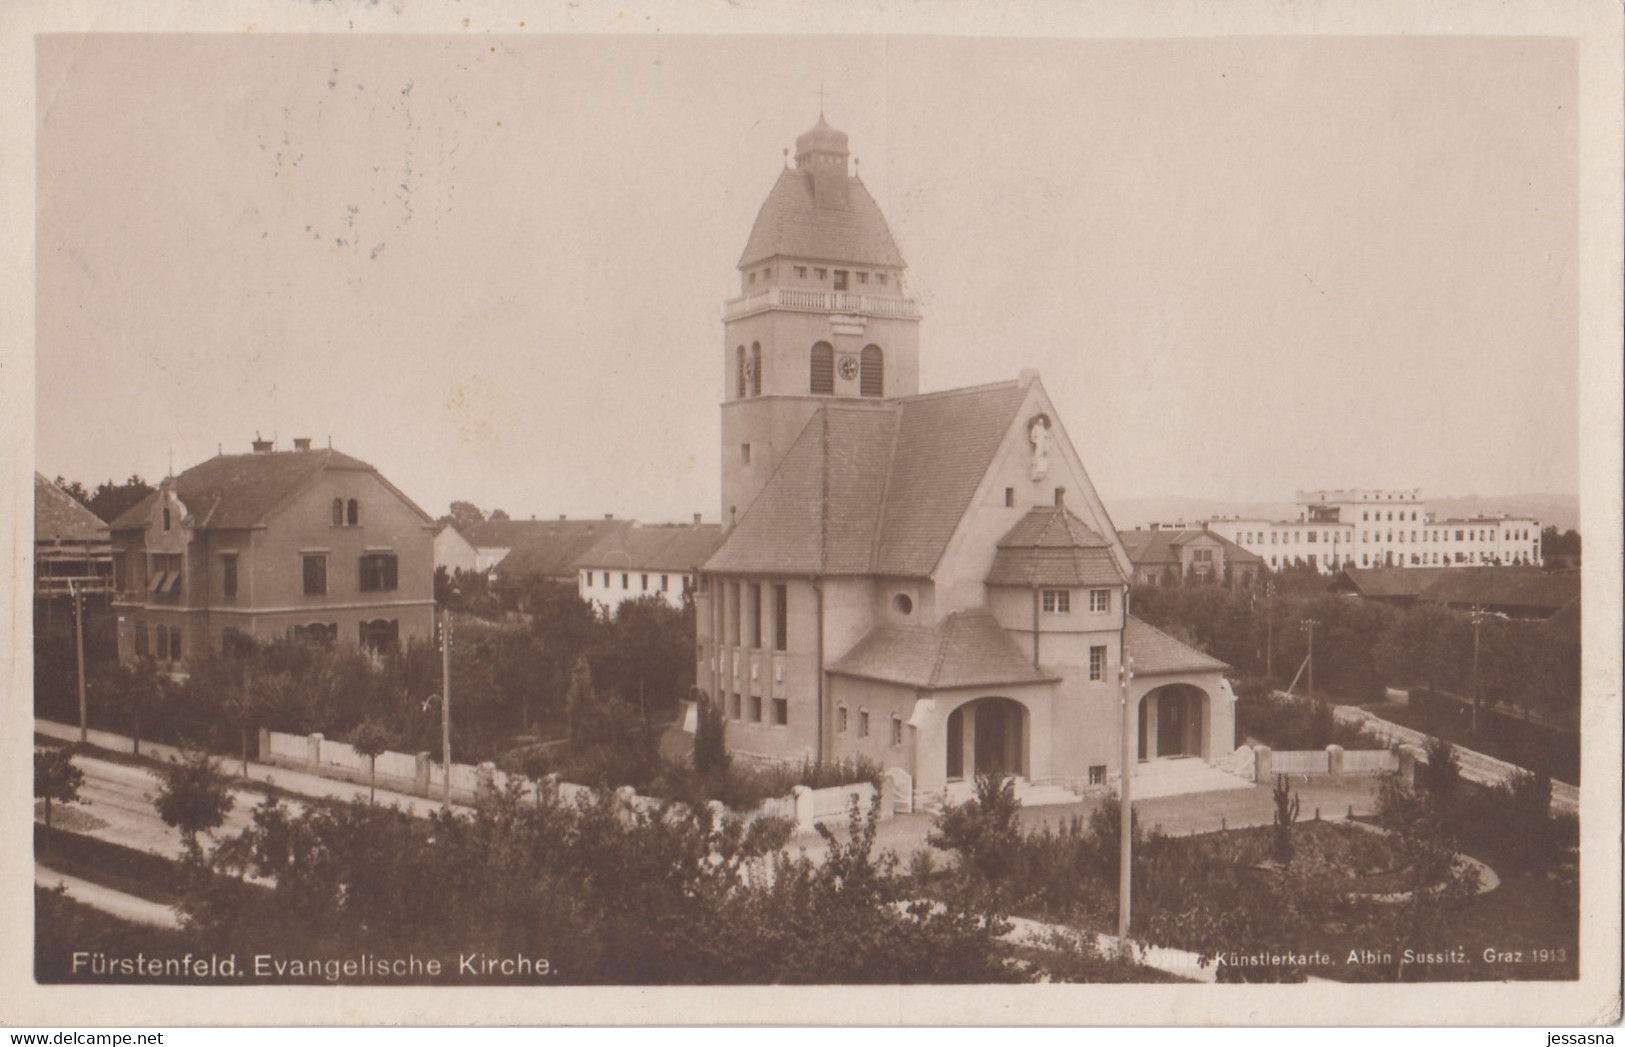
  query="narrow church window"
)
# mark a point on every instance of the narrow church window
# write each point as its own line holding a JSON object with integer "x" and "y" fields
{"x": 166, "y": 518}
{"x": 744, "y": 454}
{"x": 896, "y": 731}
{"x": 624, "y": 581}
{"x": 801, "y": 272}
{"x": 353, "y": 513}
{"x": 740, "y": 395}
{"x": 823, "y": 370}
{"x": 756, "y": 369}
{"x": 872, "y": 373}
{"x": 840, "y": 715}
{"x": 756, "y": 708}
{"x": 737, "y": 709}
{"x": 863, "y": 723}
{"x": 819, "y": 274}
{"x": 781, "y": 617}
{"x": 863, "y": 278}
{"x": 840, "y": 279}
{"x": 880, "y": 278}
{"x": 781, "y": 712}
{"x": 755, "y": 616}
{"x": 1097, "y": 663}
{"x": 645, "y": 583}
{"x": 1097, "y": 774}
{"x": 1009, "y": 497}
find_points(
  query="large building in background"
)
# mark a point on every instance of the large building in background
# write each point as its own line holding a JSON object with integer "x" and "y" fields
{"x": 309, "y": 544}
{"x": 1361, "y": 528}
{"x": 661, "y": 561}
{"x": 928, "y": 580}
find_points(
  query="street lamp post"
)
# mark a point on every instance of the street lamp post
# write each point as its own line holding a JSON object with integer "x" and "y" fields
{"x": 1125, "y": 863}
{"x": 79, "y": 651}
{"x": 445, "y": 702}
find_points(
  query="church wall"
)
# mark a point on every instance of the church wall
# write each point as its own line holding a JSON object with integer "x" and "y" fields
{"x": 770, "y": 426}
{"x": 969, "y": 555}
{"x": 848, "y": 614}
{"x": 884, "y": 703}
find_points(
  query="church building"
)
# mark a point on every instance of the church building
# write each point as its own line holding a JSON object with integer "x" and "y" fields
{"x": 926, "y": 579}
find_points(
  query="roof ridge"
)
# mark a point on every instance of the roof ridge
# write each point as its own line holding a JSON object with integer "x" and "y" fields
{"x": 964, "y": 390}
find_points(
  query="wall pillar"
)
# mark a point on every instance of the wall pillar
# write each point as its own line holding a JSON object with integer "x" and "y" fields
{"x": 1262, "y": 763}
{"x": 313, "y": 749}
{"x": 1334, "y": 759}
{"x": 420, "y": 774}
{"x": 806, "y": 820}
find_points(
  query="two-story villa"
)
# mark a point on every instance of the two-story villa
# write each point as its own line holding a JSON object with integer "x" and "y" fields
{"x": 309, "y": 543}
{"x": 929, "y": 580}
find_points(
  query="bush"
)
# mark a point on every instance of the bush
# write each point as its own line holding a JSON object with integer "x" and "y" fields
{"x": 985, "y": 831}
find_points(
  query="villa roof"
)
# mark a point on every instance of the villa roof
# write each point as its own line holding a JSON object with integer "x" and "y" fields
{"x": 58, "y": 516}
{"x": 241, "y": 490}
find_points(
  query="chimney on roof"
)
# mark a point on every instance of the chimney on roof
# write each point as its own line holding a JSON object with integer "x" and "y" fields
{"x": 262, "y": 446}
{"x": 301, "y": 443}
{"x": 533, "y": 516}
{"x": 696, "y": 519}
{"x": 609, "y": 516}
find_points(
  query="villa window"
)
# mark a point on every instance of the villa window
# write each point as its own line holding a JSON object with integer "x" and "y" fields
{"x": 896, "y": 731}
{"x": 381, "y": 634}
{"x": 141, "y": 647}
{"x": 626, "y": 581}
{"x": 315, "y": 570}
{"x": 1097, "y": 663}
{"x": 1057, "y": 601}
{"x": 379, "y": 572}
{"x": 1100, "y": 600}
{"x": 228, "y": 574}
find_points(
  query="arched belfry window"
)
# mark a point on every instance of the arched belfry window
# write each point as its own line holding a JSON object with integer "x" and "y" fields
{"x": 354, "y": 513}
{"x": 872, "y": 376}
{"x": 338, "y": 512}
{"x": 741, "y": 378}
{"x": 823, "y": 370}
{"x": 756, "y": 369}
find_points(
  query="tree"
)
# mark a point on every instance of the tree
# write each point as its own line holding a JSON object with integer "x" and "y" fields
{"x": 370, "y": 738}
{"x": 56, "y": 779}
{"x": 985, "y": 830}
{"x": 1286, "y": 813}
{"x": 109, "y": 500}
{"x": 464, "y": 515}
{"x": 499, "y": 514}
{"x": 193, "y": 796}
{"x": 710, "y": 736}
{"x": 74, "y": 490}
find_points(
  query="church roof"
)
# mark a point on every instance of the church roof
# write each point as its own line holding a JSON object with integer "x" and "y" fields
{"x": 967, "y": 649}
{"x": 873, "y": 488}
{"x": 1155, "y": 652}
{"x": 241, "y": 490}
{"x": 1049, "y": 546}
{"x": 792, "y": 224}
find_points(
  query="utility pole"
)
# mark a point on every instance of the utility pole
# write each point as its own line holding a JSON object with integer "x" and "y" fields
{"x": 1310, "y": 623}
{"x": 79, "y": 647}
{"x": 1125, "y": 850}
{"x": 1478, "y": 622}
{"x": 445, "y": 700}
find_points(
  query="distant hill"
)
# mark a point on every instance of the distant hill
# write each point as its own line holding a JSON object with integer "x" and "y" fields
{"x": 1559, "y": 510}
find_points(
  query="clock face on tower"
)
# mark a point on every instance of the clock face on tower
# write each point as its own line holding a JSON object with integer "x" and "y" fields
{"x": 849, "y": 367}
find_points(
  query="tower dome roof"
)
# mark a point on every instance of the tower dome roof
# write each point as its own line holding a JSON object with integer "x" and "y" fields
{"x": 821, "y": 139}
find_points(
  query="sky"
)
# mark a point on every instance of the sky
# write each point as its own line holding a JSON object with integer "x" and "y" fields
{"x": 495, "y": 267}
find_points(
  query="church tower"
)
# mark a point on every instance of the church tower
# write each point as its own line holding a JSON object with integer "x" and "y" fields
{"x": 821, "y": 315}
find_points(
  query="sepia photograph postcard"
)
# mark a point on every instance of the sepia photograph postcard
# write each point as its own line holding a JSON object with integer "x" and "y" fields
{"x": 766, "y": 514}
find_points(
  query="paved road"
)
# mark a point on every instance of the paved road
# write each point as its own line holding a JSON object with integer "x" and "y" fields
{"x": 124, "y": 906}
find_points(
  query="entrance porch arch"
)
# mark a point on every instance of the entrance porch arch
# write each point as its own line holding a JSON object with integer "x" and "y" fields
{"x": 1174, "y": 722}
{"x": 989, "y": 735}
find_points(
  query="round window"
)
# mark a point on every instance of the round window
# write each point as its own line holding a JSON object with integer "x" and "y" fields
{"x": 903, "y": 604}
